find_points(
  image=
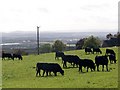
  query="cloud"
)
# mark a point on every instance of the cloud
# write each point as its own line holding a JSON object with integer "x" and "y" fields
{"x": 45, "y": 10}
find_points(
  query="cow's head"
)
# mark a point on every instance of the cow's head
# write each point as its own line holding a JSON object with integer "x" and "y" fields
{"x": 62, "y": 72}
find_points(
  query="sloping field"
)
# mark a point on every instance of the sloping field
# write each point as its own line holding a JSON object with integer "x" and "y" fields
{"x": 21, "y": 74}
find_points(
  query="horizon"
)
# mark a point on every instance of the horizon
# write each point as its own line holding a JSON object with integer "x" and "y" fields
{"x": 105, "y": 31}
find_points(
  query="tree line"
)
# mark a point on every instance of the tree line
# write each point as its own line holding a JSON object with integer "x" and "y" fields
{"x": 91, "y": 41}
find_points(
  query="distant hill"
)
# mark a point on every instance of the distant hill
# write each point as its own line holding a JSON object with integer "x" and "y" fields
{"x": 19, "y": 36}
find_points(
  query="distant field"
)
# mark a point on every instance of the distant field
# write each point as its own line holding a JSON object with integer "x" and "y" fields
{"x": 21, "y": 74}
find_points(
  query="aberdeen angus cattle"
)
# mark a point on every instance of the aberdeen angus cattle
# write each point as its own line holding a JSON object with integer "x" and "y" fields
{"x": 88, "y": 50}
{"x": 73, "y": 59}
{"x": 112, "y": 58}
{"x": 19, "y": 56}
{"x": 48, "y": 68}
{"x": 110, "y": 51}
{"x": 97, "y": 50}
{"x": 58, "y": 54}
{"x": 39, "y": 67}
{"x": 86, "y": 63}
{"x": 7, "y": 55}
{"x": 101, "y": 60}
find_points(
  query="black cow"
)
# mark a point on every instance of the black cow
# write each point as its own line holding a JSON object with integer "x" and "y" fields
{"x": 87, "y": 49}
{"x": 97, "y": 50}
{"x": 58, "y": 54}
{"x": 19, "y": 56}
{"x": 7, "y": 55}
{"x": 86, "y": 63}
{"x": 48, "y": 67}
{"x": 112, "y": 58}
{"x": 101, "y": 60}
{"x": 73, "y": 59}
{"x": 110, "y": 51}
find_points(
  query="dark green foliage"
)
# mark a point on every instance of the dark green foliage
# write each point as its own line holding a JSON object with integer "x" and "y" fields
{"x": 58, "y": 45}
{"x": 46, "y": 48}
{"x": 92, "y": 42}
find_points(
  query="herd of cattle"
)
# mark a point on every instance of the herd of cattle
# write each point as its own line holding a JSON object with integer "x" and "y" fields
{"x": 74, "y": 60}
{"x": 77, "y": 61}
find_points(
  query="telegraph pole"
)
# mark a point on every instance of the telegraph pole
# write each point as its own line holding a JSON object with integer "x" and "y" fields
{"x": 37, "y": 40}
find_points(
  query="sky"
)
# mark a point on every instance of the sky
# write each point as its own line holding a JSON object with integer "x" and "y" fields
{"x": 59, "y": 15}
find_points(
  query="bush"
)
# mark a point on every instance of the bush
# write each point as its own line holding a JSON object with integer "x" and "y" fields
{"x": 92, "y": 42}
{"x": 58, "y": 46}
{"x": 46, "y": 48}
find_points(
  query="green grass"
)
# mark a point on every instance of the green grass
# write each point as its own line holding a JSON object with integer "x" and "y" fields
{"x": 21, "y": 74}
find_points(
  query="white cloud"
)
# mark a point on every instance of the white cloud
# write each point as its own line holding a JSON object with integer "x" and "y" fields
{"x": 62, "y": 15}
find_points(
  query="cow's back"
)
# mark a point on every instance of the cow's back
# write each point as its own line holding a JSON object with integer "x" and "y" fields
{"x": 101, "y": 60}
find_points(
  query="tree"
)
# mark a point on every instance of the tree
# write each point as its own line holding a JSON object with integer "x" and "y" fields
{"x": 46, "y": 48}
{"x": 58, "y": 45}
{"x": 92, "y": 42}
{"x": 80, "y": 43}
{"x": 109, "y": 36}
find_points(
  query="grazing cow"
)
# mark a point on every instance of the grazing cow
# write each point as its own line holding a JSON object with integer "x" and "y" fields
{"x": 101, "y": 60}
{"x": 87, "y": 49}
{"x": 48, "y": 67}
{"x": 73, "y": 59}
{"x": 97, "y": 50}
{"x": 110, "y": 51}
{"x": 7, "y": 55}
{"x": 112, "y": 58}
{"x": 58, "y": 54}
{"x": 19, "y": 56}
{"x": 86, "y": 63}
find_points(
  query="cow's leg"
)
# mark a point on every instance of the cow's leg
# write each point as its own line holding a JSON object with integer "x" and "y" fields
{"x": 97, "y": 67}
{"x": 107, "y": 67}
{"x": 64, "y": 64}
{"x": 91, "y": 69}
{"x": 43, "y": 73}
{"x": 115, "y": 61}
{"x": 102, "y": 67}
{"x": 80, "y": 68}
{"x": 46, "y": 73}
{"x": 38, "y": 72}
{"x": 55, "y": 73}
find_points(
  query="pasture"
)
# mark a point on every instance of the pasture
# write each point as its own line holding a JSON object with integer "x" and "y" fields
{"x": 21, "y": 73}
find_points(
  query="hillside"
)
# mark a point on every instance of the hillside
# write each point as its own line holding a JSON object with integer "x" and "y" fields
{"x": 21, "y": 74}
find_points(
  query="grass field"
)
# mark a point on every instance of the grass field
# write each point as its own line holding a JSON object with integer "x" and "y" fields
{"x": 21, "y": 74}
